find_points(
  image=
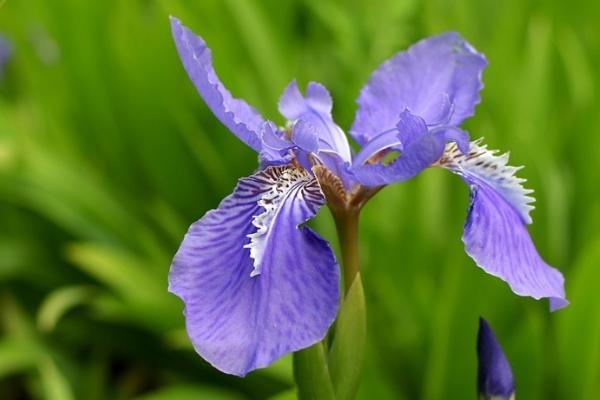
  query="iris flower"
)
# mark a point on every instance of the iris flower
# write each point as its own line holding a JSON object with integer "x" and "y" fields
{"x": 495, "y": 379}
{"x": 256, "y": 282}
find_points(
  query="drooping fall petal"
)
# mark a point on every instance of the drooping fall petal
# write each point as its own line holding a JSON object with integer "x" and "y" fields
{"x": 256, "y": 283}
{"x": 495, "y": 233}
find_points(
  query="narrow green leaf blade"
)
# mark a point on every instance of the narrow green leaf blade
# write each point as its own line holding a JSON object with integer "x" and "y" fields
{"x": 348, "y": 348}
{"x": 59, "y": 302}
{"x": 191, "y": 392}
{"x": 55, "y": 384}
{"x": 17, "y": 354}
{"x": 312, "y": 374}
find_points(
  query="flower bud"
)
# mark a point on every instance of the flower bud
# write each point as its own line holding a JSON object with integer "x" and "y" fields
{"x": 495, "y": 379}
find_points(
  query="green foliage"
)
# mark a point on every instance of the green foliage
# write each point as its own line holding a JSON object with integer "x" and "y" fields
{"x": 348, "y": 346}
{"x": 311, "y": 372}
{"x": 332, "y": 369}
{"x": 107, "y": 154}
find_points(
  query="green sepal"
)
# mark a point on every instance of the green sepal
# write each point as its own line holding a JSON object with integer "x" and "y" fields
{"x": 312, "y": 374}
{"x": 348, "y": 347}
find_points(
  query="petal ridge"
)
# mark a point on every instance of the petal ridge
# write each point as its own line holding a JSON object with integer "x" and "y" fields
{"x": 495, "y": 232}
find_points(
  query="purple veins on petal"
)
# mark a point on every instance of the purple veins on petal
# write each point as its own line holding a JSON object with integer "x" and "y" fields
{"x": 438, "y": 79}
{"x": 495, "y": 232}
{"x": 494, "y": 379}
{"x": 235, "y": 114}
{"x": 239, "y": 322}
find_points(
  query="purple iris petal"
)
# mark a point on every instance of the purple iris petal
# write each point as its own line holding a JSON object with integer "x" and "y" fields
{"x": 315, "y": 109}
{"x": 437, "y": 77}
{"x": 496, "y": 238}
{"x": 275, "y": 148}
{"x": 239, "y": 322}
{"x": 495, "y": 378}
{"x": 304, "y": 136}
{"x": 235, "y": 114}
{"x": 385, "y": 141}
{"x": 420, "y": 148}
{"x": 410, "y": 128}
{"x": 444, "y": 114}
{"x": 495, "y": 233}
{"x": 458, "y": 136}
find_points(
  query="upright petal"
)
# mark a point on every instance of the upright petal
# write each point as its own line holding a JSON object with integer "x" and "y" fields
{"x": 315, "y": 110}
{"x": 304, "y": 136}
{"x": 256, "y": 283}
{"x": 495, "y": 233}
{"x": 495, "y": 379}
{"x": 438, "y": 79}
{"x": 235, "y": 114}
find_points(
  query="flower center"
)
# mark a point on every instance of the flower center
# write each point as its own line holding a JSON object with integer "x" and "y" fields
{"x": 339, "y": 200}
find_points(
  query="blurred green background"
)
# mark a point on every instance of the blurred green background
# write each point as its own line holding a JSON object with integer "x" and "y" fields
{"x": 107, "y": 154}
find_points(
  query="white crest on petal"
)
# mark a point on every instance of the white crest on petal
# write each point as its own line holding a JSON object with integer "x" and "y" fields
{"x": 492, "y": 168}
{"x": 283, "y": 182}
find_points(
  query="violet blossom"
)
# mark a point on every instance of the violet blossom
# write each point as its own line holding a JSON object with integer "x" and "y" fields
{"x": 256, "y": 282}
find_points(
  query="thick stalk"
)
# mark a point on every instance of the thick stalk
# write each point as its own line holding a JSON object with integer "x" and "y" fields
{"x": 346, "y": 224}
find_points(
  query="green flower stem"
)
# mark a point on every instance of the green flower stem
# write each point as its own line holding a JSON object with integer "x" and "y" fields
{"x": 347, "y": 230}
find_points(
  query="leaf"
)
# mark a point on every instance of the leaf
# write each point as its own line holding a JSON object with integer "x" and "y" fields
{"x": 348, "y": 348}
{"x": 144, "y": 291}
{"x": 55, "y": 384}
{"x": 17, "y": 354}
{"x": 59, "y": 302}
{"x": 287, "y": 395}
{"x": 190, "y": 392}
{"x": 579, "y": 329}
{"x": 119, "y": 270}
{"x": 312, "y": 374}
{"x": 281, "y": 369}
